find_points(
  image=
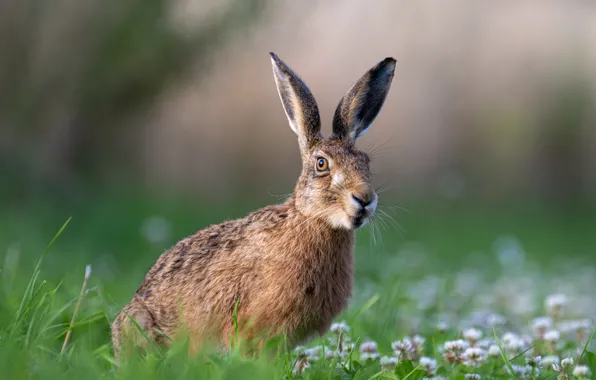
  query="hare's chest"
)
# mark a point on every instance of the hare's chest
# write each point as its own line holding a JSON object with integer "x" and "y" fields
{"x": 302, "y": 293}
{"x": 323, "y": 290}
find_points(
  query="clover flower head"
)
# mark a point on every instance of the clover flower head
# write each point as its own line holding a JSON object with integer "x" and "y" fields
{"x": 429, "y": 365}
{"x": 494, "y": 350}
{"x": 555, "y": 303}
{"x": 388, "y": 363}
{"x": 533, "y": 361}
{"x": 549, "y": 361}
{"x": 567, "y": 362}
{"x": 582, "y": 371}
{"x": 369, "y": 346}
{"x": 472, "y": 335}
{"x": 339, "y": 328}
{"x": 552, "y": 336}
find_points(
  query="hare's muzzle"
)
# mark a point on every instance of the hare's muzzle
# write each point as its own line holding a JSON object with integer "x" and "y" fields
{"x": 363, "y": 202}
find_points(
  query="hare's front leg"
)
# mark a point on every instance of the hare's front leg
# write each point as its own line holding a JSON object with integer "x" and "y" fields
{"x": 133, "y": 327}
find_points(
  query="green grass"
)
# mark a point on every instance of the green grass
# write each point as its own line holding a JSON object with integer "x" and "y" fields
{"x": 450, "y": 258}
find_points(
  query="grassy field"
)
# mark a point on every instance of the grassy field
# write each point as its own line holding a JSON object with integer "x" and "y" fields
{"x": 453, "y": 291}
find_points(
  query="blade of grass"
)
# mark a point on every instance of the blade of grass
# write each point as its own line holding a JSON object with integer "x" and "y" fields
{"x": 411, "y": 373}
{"x": 36, "y": 271}
{"x": 507, "y": 362}
{"x": 235, "y": 320}
{"x": 33, "y": 319}
{"x": 365, "y": 307}
{"x": 380, "y": 374}
{"x": 77, "y": 307}
{"x": 137, "y": 326}
{"x": 586, "y": 347}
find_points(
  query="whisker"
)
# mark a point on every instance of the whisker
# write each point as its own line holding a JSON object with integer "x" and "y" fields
{"x": 279, "y": 196}
{"x": 392, "y": 221}
{"x": 375, "y": 235}
{"x": 376, "y": 149}
{"x": 395, "y": 207}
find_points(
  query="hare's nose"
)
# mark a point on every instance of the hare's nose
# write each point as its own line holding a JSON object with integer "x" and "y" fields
{"x": 363, "y": 195}
{"x": 362, "y": 199}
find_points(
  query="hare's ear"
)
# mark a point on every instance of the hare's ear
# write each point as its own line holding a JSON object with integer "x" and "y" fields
{"x": 361, "y": 104}
{"x": 299, "y": 104}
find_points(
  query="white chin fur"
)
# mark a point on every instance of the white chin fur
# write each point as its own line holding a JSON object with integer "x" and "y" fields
{"x": 340, "y": 220}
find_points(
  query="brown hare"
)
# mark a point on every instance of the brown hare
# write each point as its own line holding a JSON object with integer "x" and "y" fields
{"x": 283, "y": 269}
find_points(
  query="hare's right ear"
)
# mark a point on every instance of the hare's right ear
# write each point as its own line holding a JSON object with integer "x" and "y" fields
{"x": 299, "y": 104}
{"x": 361, "y": 104}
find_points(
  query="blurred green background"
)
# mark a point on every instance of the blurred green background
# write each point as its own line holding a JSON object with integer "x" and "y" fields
{"x": 147, "y": 120}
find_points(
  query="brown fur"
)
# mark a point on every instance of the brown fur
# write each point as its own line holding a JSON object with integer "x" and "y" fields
{"x": 287, "y": 268}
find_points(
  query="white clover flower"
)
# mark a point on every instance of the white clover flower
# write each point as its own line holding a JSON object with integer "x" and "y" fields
{"x": 346, "y": 346}
{"x": 369, "y": 350}
{"x": 429, "y": 365}
{"x": 334, "y": 354}
{"x": 453, "y": 350}
{"x": 472, "y": 335}
{"x": 549, "y": 361}
{"x": 474, "y": 356}
{"x": 402, "y": 347}
{"x": 583, "y": 324}
{"x": 418, "y": 341}
{"x": 330, "y": 354}
{"x": 521, "y": 371}
{"x": 555, "y": 303}
{"x": 476, "y": 353}
{"x": 369, "y": 346}
{"x": 540, "y": 325}
{"x": 495, "y": 320}
{"x": 512, "y": 342}
{"x": 313, "y": 354}
{"x": 582, "y": 371}
{"x": 364, "y": 356}
{"x": 567, "y": 362}
{"x": 552, "y": 336}
{"x": 509, "y": 337}
{"x": 574, "y": 326}
{"x": 533, "y": 361}
{"x": 299, "y": 350}
{"x": 300, "y": 366}
{"x": 456, "y": 345}
{"x": 340, "y": 327}
{"x": 472, "y": 376}
{"x": 494, "y": 350}
{"x": 388, "y": 363}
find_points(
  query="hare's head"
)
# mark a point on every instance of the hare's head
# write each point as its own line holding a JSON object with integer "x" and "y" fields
{"x": 335, "y": 184}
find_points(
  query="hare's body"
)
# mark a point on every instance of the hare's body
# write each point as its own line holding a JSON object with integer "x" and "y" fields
{"x": 282, "y": 269}
{"x": 279, "y": 280}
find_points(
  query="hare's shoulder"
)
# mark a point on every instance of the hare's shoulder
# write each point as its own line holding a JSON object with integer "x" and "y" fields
{"x": 194, "y": 253}
{"x": 228, "y": 234}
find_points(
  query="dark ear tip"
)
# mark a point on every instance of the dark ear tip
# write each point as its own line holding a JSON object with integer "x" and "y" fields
{"x": 276, "y": 59}
{"x": 388, "y": 62}
{"x": 278, "y": 65}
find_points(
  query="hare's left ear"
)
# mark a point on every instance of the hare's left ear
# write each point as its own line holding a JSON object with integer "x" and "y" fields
{"x": 361, "y": 104}
{"x": 299, "y": 103}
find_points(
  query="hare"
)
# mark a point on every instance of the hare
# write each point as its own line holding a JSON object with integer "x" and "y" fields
{"x": 283, "y": 269}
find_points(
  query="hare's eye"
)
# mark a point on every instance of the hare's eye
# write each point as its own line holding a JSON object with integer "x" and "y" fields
{"x": 322, "y": 164}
